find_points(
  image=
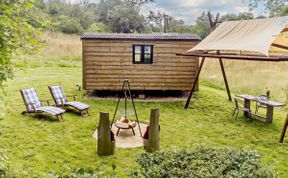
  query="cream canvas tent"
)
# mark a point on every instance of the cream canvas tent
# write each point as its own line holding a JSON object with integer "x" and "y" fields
{"x": 256, "y": 36}
{"x": 257, "y": 39}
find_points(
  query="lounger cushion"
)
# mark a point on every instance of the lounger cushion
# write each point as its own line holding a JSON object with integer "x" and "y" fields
{"x": 58, "y": 95}
{"x": 31, "y": 98}
{"x": 51, "y": 110}
{"x": 78, "y": 105}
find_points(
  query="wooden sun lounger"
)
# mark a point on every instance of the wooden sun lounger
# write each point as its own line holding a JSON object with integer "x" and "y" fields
{"x": 35, "y": 105}
{"x": 61, "y": 100}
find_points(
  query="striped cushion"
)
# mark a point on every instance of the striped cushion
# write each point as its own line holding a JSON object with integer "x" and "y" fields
{"x": 51, "y": 110}
{"x": 58, "y": 94}
{"x": 77, "y": 105}
{"x": 31, "y": 98}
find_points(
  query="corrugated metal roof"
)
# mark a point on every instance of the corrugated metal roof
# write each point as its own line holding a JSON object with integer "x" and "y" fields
{"x": 132, "y": 36}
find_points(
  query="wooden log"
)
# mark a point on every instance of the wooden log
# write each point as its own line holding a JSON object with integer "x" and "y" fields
{"x": 106, "y": 142}
{"x": 284, "y": 130}
{"x": 152, "y": 143}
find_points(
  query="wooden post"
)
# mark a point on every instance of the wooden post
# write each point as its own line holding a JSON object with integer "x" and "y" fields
{"x": 106, "y": 144}
{"x": 153, "y": 142}
{"x": 247, "y": 104}
{"x": 225, "y": 79}
{"x": 269, "y": 114}
{"x": 284, "y": 130}
{"x": 194, "y": 83}
{"x": 213, "y": 25}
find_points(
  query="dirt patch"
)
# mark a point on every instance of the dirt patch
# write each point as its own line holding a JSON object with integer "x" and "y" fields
{"x": 126, "y": 139}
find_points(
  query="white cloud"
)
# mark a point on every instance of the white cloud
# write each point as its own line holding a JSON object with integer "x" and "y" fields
{"x": 189, "y": 10}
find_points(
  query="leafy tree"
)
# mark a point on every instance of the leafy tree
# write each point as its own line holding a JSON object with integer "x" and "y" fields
{"x": 123, "y": 15}
{"x": 139, "y": 2}
{"x": 69, "y": 25}
{"x": 106, "y": 6}
{"x": 156, "y": 20}
{"x": 240, "y": 16}
{"x": 125, "y": 18}
{"x": 98, "y": 27}
{"x": 274, "y": 7}
{"x": 12, "y": 38}
{"x": 202, "y": 26}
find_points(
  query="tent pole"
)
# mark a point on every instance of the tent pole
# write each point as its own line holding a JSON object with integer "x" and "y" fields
{"x": 225, "y": 79}
{"x": 194, "y": 83}
{"x": 284, "y": 130}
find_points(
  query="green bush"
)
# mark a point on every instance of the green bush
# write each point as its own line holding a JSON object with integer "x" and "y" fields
{"x": 3, "y": 164}
{"x": 68, "y": 25}
{"x": 202, "y": 162}
{"x": 98, "y": 28}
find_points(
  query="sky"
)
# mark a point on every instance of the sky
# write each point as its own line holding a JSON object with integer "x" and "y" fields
{"x": 189, "y": 10}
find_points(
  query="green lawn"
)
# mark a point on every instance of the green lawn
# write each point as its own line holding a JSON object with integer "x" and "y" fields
{"x": 36, "y": 147}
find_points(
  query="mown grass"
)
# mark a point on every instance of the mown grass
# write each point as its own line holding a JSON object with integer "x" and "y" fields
{"x": 36, "y": 147}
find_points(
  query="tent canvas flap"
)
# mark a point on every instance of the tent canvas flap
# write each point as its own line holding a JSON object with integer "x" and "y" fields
{"x": 247, "y": 35}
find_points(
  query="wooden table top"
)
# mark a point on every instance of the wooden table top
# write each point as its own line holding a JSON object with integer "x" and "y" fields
{"x": 256, "y": 99}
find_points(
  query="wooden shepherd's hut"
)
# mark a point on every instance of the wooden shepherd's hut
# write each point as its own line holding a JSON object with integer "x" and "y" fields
{"x": 148, "y": 61}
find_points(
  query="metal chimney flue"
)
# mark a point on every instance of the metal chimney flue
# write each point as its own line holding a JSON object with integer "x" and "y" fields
{"x": 166, "y": 23}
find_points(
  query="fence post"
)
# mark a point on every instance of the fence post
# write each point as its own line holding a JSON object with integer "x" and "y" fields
{"x": 106, "y": 142}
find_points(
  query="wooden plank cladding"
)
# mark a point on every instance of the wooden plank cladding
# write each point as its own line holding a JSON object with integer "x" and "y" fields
{"x": 107, "y": 62}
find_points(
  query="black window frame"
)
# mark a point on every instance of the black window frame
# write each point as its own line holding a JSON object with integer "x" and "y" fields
{"x": 142, "y": 54}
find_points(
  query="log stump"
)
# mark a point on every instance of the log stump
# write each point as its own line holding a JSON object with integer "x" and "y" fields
{"x": 106, "y": 140}
{"x": 151, "y": 138}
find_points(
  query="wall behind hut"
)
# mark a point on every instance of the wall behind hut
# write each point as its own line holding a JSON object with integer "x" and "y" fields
{"x": 106, "y": 63}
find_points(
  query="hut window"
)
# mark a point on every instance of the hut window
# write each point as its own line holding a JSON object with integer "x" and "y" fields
{"x": 142, "y": 54}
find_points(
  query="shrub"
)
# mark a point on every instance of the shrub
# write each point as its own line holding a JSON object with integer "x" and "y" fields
{"x": 68, "y": 25}
{"x": 202, "y": 162}
{"x": 3, "y": 164}
{"x": 98, "y": 27}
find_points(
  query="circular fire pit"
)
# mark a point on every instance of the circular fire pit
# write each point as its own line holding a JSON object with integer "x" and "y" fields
{"x": 126, "y": 138}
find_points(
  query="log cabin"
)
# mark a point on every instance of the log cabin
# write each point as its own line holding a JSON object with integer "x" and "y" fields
{"x": 148, "y": 61}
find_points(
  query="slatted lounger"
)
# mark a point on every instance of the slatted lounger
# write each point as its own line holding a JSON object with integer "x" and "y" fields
{"x": 61, "y": 100}
{"x": 35, "y": 105}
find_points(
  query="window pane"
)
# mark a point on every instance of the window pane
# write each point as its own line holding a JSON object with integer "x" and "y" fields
{"x": 137, "y": 57}
{"x": 147, "y": 49}
{"x": 137, "y": 49}
{"x": 147, "y": 58}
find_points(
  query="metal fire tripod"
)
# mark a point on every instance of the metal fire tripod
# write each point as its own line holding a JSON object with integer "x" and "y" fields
{"x": 127, "y": 95}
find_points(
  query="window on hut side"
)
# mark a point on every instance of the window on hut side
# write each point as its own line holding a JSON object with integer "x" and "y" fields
{"x": 142, "y": 54}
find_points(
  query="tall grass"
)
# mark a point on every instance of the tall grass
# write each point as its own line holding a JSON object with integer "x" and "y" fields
{"x": 58, "y": 50}
{"x": 252, "y": 77}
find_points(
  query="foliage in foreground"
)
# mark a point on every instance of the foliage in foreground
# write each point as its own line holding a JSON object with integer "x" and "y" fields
{"x": 82, "y": 173}
{"x": 203, "y": 162}
{"x": 3, "y": 164}
{"x": 13, "y": 38}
